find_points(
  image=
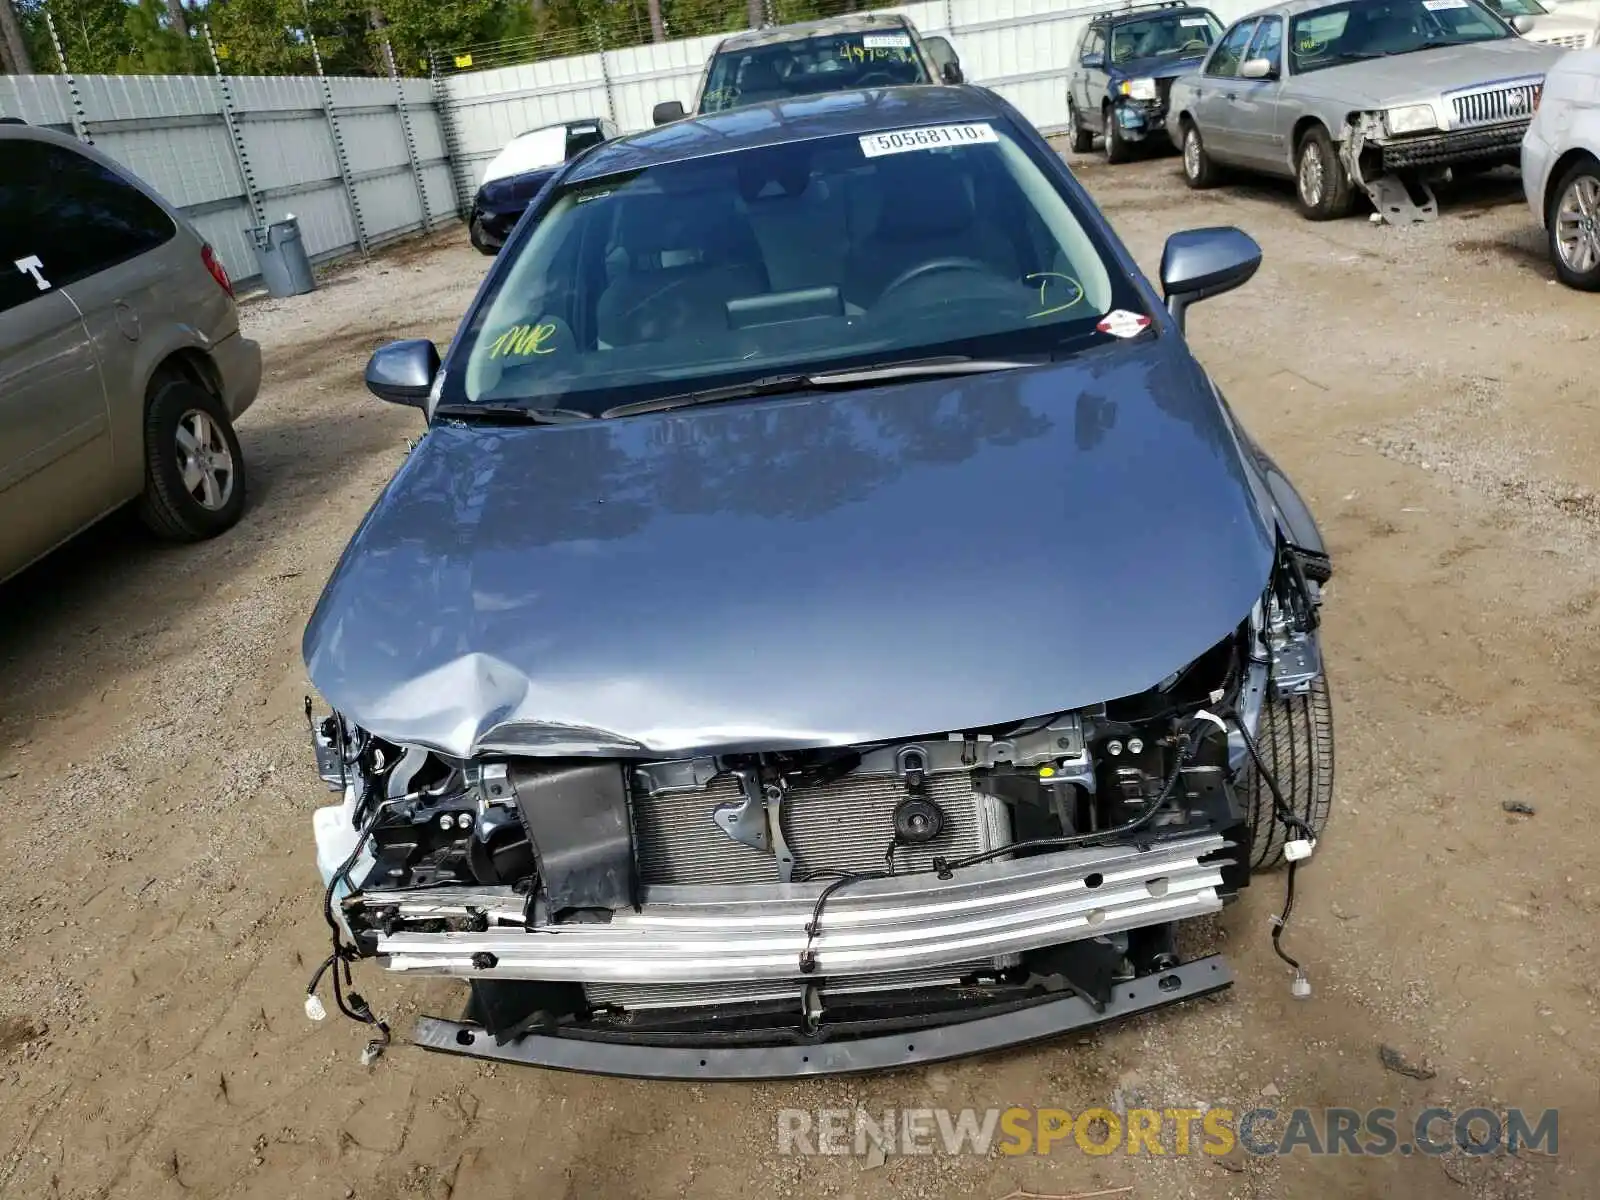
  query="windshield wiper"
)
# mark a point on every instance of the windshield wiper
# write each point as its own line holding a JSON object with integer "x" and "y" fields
{"x": 777, "y": 385}
{"x": 519, "y": 413}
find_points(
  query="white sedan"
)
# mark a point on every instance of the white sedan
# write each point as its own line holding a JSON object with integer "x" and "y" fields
{"x": 1561, "y": 167}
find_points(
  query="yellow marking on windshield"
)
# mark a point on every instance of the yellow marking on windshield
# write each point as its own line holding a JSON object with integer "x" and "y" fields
{"x": 1055, "y": 279}
{"x": 877, "y": 54}
{"x": 522, "y": 340}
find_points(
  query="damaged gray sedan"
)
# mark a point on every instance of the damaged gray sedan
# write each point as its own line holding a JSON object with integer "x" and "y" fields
{"x": 1382, "y": 97}
{"x": 831, "y": 620}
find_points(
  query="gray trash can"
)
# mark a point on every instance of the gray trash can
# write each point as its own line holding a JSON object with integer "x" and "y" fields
{"x": 281, "y": 255}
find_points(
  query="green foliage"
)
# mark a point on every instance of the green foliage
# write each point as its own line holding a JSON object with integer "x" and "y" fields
{"x": 273, "y": 37}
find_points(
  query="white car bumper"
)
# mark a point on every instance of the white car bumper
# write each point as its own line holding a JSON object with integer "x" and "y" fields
{"x": 1537, "y": 157}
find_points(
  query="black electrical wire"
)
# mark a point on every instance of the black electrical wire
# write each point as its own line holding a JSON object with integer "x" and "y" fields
{"x": 352, "y": 1005}
{"x": 1292, "y": 822}
{"x": 808, "y": 958}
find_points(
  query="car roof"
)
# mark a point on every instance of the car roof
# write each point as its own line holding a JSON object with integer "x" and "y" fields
{"x": 796, "y": 119}
{"x": 1143, "y": 12}
{"x": 828, "y": 26}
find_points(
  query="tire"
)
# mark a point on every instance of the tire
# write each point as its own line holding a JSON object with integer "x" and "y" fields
{"x": 1575, "y": 242}
{"x": 1198, "y": 170}
{"x": 1322, "y": 189}
{"x": 1117, "y": 150}
{"x": 1295, "y": 739}
{"x": 1082, "y": 139}
{"x": 480, "y": 242}
{"x": 194, "y": 478}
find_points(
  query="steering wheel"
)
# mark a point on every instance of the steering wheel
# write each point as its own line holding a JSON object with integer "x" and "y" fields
{"x": 1194, "y": 44}
{"x": 871, "y": 78}
{"x": 934, "y": 266}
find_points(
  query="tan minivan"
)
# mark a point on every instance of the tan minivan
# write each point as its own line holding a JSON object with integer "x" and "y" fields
{"x": 121, "y": 364}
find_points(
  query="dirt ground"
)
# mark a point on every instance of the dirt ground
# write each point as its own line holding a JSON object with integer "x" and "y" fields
{"x": 1431, "y": 390}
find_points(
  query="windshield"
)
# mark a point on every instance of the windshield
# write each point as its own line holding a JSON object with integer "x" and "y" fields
{"x": 1363, "y": 29}
{"x": 1167, "y": 36}
{"x": 835, "y": 63}
{"x": 809, "y": 256}
{"x": 1518, "y": 8}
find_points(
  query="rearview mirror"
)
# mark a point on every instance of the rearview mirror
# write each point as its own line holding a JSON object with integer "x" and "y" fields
{"x": 1093, "y": 60}
{"x": 403, "y": 372}
{"x": 667, "y": 112}
{"x": 1200, "y": 263}
{"x": 1522, "y": 23}
{"x": 1257, "y": 68}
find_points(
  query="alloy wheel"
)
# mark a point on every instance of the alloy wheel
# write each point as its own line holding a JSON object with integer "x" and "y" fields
{"x": 1577, "y": 225}
{"x": 205, "y": 464}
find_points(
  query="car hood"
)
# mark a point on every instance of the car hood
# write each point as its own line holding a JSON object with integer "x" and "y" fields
{"x": 1158, "y": 67}
{"x": 1422, "y": 74}
{"x": 515, "y": 192}
{"x": 819, "y": 570}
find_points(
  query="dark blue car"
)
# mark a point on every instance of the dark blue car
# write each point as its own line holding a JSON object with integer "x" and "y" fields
{"x": 1124, "y": 68}
{"x": 831, "y": 621}
{"x": 515, "y": 175}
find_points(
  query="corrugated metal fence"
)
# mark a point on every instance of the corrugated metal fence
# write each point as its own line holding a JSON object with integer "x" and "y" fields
{"x": 363, "y": 161}
{"x": 358, "y": 161}
{"x": 1020, "y": 48}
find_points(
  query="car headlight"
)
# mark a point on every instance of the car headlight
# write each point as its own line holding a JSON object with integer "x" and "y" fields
{"x": 1138, "y": 89}
{"x": 1413, "y": 118}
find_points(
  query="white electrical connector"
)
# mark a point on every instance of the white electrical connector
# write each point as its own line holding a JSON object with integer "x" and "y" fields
{"x": 314, "y": 1008}
{"x": 1298, "y": 849}
{"x": 1300, "y": 989}
{"x": 372, "y": 1053}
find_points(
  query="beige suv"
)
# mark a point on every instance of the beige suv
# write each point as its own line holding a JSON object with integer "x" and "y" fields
{"x": 121, "y": 364}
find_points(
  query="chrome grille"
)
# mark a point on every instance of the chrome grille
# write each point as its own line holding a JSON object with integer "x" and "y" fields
{"x": 843, "y": 826}
{"x": 1491, "y": 106}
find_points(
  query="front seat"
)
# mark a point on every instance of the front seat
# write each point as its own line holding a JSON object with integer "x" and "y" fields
{"x": 682, "y": 258}
{"x": 928, "y": 211}
{"x": 759, "y": 81}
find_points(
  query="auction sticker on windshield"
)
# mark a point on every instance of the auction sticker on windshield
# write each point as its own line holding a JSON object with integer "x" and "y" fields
{"x": 1439, "y": 5}
{"x": 1193, "y": 22}
{"x": 874, "y": 145}
{"x": 886, "y": 41}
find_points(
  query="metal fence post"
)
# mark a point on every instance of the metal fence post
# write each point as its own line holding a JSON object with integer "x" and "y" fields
{"x": 339, "y": 154}
{"x": 80, "y": 121}
{"x": 241, "y": 153}
{"x": 447, "y": 131}
{"x": 950, "y": 17}
{"x": 605, "y": 72}
{"x": 410, "y": 136}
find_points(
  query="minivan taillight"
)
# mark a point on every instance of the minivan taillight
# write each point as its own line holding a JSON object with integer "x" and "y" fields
{"x": 214, "y": 265}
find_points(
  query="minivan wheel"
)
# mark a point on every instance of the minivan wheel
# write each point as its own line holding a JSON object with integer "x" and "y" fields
{"x": 1573, "y": 227}
{"x": 194, "y": 469}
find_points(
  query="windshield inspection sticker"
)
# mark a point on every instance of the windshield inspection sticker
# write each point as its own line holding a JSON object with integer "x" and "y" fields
{"x": 1193, "y": 22}
{"x": 875, "y": 145}
{"x": 1123, "y": 324}
{"x": 1438, "y": 5}
{"x": 886, "y": 41}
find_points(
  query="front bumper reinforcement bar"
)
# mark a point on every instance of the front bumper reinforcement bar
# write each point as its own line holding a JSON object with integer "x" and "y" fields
{"x": 641, "y": 1059}
{"x": 871, "y": 926}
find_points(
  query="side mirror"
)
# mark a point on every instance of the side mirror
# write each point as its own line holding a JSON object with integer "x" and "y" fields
{"x": 1522, "y": 23}
{"x": 667, "y": 112}
{"x": 1200, "y": 263}
{"x": 403, "y": 372}
{"x": 944, "y": 56}
{"x": 1093, "y": 60}
{"x": 1258, "y": 68}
